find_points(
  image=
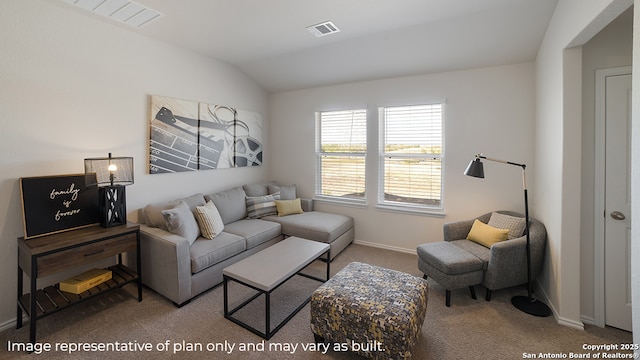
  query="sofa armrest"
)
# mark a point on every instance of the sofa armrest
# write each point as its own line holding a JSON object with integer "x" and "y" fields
{"x": 457, "y": 230}
{"x": 166, "y": 263}
{"x": 507, "y": 264}
{"x": 307, "y": 204}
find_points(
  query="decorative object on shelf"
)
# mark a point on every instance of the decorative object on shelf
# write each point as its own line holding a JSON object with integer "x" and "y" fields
{"x": 85, "y": 281}
{"x": 527, "y": 304}
{"x": 189, "y": 136}
{"x": 52, "y": 204}
{"x": 112, "y": 175}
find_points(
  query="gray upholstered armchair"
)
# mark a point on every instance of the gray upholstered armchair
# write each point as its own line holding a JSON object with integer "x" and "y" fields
{"x": 457, "y": 262}
{"x": 505, "y": 263}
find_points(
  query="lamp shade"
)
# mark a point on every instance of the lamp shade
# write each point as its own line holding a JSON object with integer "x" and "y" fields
{"x": 110, "y": 171}
{"x": 475, "y": 169}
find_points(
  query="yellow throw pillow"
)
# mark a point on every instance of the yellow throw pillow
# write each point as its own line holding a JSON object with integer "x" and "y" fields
{"x": 289, "y": 207}
{"x": 486, "y": 235}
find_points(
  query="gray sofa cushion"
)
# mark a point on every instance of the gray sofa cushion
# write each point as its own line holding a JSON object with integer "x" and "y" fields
{"x": 255, "y": 231}
{"x": 258, "y": 189}
{"x": 230, "y": 204}
{"x": 205, "y": 253}
{"x": 314, "y": 225}
{"x": 152, "y": 213}
{"x": 286, "y": 192}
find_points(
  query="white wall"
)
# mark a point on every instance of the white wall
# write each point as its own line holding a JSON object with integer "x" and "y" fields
{"x": 612, "y": 47}
{"x": 558, "y": 145}
{"x": 488, "y": 110}
{"x": 635, "y": 177}
{"x": 72, "y": 87}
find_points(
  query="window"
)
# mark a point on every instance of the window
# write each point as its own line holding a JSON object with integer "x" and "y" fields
{"x": 341, "y": 146}
{"x": 410, "y": 170}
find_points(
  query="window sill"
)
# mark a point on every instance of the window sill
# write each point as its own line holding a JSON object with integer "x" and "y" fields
{"x": 439, "y": 213}
{"x": 361, "y": 204}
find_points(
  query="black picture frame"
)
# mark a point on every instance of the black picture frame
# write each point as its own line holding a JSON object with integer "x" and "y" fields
{"x": 52, "y": 204}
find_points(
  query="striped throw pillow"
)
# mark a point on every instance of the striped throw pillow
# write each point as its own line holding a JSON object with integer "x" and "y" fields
{"x": 209, "y": 220}
{"x": 259, "y": 206}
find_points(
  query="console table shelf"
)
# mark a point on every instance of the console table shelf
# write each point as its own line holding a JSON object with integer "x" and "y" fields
{"x": 51, "y": 299}
{"x": 51, "y": 254}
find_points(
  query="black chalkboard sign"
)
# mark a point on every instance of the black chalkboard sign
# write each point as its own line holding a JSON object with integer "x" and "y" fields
{"x": 52, "y": 204}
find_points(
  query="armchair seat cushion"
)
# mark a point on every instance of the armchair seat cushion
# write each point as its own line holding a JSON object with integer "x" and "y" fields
{"x": 478, "y": 251}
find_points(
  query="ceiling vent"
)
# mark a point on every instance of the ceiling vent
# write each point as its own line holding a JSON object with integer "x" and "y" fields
{"x": 124, "y": 11}
{"x": 323, "y": 29}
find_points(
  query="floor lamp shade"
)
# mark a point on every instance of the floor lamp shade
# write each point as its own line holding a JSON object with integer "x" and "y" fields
{"x": 475, "y": 169}
{"x": 112, "y": 175}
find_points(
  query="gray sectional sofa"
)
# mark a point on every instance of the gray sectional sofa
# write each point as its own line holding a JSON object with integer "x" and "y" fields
{"x": 180, "y": 266}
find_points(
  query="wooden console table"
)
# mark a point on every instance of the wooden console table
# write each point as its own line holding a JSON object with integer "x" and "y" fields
{"x": 47, "y": 255}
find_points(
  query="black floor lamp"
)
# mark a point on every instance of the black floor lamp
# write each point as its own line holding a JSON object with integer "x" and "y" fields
{"x": 527, "y": 303}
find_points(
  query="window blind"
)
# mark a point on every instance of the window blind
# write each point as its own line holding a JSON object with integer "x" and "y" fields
{"x": 411, "y": 155}
{"x": 341, "y": 138}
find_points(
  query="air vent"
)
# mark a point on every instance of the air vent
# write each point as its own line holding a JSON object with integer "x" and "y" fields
{"x": 323, "y": 29}
{"x": 124, "y": 11}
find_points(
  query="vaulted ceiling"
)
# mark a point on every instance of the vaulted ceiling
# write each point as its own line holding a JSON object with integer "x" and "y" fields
{"x": 267, "y": 39}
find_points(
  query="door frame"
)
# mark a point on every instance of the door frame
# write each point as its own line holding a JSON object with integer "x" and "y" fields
{"x": 600, "y": 187}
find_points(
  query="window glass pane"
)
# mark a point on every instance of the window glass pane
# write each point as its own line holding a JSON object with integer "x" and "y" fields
{"x": 344, "y": 131}
{"x": 342, "y": 145}
{"x": 413, "y": 129}
{"x": 413, "y": 180}
{"x": 411, "y": 165}
{"x": 343, "y": 176}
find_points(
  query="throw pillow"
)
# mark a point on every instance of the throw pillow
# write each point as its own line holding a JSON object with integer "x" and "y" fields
{"x": 259, "y": 206}
{"x": 289, "y": 207}
{"x": 153, "y": 212}
{"x": 486, "y": 235}
{"x": 514, "y": 224}
{"x": 209, "y": 219}
{"x": 180, "y": 221}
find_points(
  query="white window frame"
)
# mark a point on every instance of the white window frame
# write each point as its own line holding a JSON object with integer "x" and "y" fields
{"x": 399, "y": 206}
{"x": 319, "y": 191}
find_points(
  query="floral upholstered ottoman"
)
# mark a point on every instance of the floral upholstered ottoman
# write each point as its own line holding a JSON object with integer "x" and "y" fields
{"x": 373, "y": 311}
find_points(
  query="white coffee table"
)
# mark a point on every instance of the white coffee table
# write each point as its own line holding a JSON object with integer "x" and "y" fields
{"x": 266, "y": 270}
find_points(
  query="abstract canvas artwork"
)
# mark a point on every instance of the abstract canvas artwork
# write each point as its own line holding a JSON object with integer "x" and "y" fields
{"x": 188, "y": 136}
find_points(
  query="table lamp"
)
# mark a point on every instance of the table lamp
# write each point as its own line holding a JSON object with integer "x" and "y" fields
{"x": 112, "y": 175}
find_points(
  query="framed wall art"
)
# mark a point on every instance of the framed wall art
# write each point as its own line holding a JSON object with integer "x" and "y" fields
{"x": 187, "y": 136}
{"x": 52, "y": 204}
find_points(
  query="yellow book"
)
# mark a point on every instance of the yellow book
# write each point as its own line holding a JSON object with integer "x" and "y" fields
{"x": 85, "y": 281}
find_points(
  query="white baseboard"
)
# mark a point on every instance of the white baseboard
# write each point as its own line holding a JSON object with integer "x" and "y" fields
{"x": 588, "y": 320}
{"x": 386, "y": 247}
{"x": 12, "y": 324}
{"x": 542, "y": 295}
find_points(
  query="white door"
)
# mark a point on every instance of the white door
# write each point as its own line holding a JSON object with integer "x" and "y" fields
{"x": 617, "y": 242}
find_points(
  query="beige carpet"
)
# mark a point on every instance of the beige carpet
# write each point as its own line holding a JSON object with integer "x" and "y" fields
{"x": 467, "y": 330}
